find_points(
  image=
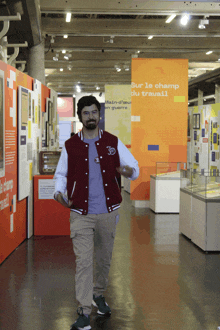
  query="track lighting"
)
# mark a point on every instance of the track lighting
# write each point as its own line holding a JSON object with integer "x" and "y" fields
{"x": 184, "y": 19}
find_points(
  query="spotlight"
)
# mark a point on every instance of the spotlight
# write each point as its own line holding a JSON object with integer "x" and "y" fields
{"x": 68, "y": 17}
{"x": 184, "y": 19}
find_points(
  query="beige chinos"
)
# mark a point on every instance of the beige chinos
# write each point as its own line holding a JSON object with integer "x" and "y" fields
{"x": 93, "y": 238}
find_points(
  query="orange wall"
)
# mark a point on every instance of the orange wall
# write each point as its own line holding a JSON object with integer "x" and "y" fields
{"x": 10, "y": 240}
{"x": 163, "y": 119}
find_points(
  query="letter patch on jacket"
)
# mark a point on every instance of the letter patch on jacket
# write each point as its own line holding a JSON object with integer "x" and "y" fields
{"x": 111, "y": 151}
{"x": 97, "y": 161}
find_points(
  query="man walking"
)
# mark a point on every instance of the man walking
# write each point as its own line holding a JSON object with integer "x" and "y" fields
{"x": 86, "y": 180}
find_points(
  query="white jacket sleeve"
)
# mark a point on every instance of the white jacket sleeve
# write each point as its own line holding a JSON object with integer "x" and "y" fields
{"x": 60, "y": 176}
{"x": 126, "y": 158}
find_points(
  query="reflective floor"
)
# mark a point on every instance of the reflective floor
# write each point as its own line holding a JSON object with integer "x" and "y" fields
{"x": 158, "y": 280}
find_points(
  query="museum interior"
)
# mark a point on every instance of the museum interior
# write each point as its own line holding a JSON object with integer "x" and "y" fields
{"x": 154, "y": 67}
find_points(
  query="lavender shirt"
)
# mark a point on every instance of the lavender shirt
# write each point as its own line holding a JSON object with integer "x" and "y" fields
{"x": 97, "y": 201}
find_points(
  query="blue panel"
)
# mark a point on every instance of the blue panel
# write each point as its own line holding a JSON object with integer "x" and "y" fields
{"x": 153, "y": 147}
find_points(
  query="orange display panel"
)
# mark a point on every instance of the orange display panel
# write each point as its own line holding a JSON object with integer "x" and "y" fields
{"x": 159, "y": 106}
{"x": 50, "y": 217}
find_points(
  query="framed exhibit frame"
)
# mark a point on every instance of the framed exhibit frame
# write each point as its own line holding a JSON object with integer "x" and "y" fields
{"x": 49, "y": 110}
{"x": 196, "y": 121}
{"x": 23, "y": 163}
{"x": 2, "y": 124}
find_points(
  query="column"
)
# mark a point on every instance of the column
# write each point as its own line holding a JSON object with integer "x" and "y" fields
{"x": 35, "y": 65}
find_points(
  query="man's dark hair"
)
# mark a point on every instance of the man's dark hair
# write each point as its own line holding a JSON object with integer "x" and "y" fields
{"x": 86, "y": 101}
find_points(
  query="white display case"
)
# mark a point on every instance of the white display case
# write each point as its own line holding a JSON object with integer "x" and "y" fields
{"x": 165, "y": 187}
{"x": 200, "y": 210}
{"x": 206, "y": 211}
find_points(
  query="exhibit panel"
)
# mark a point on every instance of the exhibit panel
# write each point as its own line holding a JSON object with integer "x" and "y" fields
{"x": 20, "y": 143}
{"x": 2, "y": 124}
{"x": 24, "y": 148}
{"x": 159, "y": 98}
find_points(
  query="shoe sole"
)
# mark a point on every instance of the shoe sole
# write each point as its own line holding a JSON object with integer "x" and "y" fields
{"x": 100, "y": 313}
{"x": 88, "y": 327}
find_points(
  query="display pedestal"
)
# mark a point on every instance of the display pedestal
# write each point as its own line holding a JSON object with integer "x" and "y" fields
{"x": 50, "y": 217}
{"x": 127, "y": 185}
{"x": 206, "y": 223}
{"x": 164, "y": 194}
{"x": 199, "y": 220}
{"x": 185, "y": 216}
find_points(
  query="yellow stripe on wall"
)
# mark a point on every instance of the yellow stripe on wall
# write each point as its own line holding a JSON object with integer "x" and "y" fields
{"x": 179, "y": 98}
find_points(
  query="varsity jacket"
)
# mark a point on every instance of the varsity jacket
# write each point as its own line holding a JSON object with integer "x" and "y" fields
{"x": 77, "y": 170}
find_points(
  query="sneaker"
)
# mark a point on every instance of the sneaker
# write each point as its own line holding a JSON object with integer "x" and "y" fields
{"x": 82, "y": 323}
{"x": 103, "y": 308}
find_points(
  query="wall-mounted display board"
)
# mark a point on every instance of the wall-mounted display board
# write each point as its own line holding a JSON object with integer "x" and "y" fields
{"x": 20, "y": 143}
{"x": 203, "y": 152}
{"x": 2, "y": 124}
{"x": 24, "y": 145}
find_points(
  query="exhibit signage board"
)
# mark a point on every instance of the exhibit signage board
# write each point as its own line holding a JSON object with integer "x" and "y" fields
{"x": 159, "y": 110}
{"x": 203, "y": 138}
{"x": 118, "y": 111}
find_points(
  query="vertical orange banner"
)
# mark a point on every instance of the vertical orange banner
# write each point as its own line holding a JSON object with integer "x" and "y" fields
{"x": 159, "y": 106}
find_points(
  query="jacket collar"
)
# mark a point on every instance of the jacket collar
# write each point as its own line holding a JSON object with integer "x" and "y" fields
{"x": 80, "y": 134}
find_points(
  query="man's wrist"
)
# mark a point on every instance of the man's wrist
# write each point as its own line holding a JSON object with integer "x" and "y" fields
{"x": 56, "y": 195}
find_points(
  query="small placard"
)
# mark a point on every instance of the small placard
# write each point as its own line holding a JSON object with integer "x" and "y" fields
{"x": 46, "y": 188}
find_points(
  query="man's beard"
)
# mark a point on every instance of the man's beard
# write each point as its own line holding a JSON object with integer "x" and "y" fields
{"x": 91, "y": 125}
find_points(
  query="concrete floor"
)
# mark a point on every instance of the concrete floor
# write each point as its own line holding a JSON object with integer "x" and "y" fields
{"x": 158, "y": 280}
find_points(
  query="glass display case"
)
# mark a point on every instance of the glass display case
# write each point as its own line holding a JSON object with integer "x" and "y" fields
{"x": 189, "y": 179}
{"x": 207, "y": 185}
{"x": 169, "y": 169}
{"x": 48, "y": 161}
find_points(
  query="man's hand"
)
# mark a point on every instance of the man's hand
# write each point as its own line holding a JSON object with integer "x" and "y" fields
{"x": 60, "y": 198}
{"x": 126, "y": 171}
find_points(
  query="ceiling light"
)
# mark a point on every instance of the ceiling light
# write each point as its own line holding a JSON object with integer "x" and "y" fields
{"x": 66, "y": 57}
{"x": 52, "y": 40}
{"x": 78, "y": 89}
{"x": 69, "y": 67}
{"x": 170, "y": 18}
{"x": 65, "y": 36}
{"x": 201, "y": 26}
{"x": 55, "y": 58}
{"x": 150, "y": 37}
{"x": 64, "y": 51}
{"x": 74, "y": 95}
{"x": 61, "y": 69}
{"x": 68, "y": 17}
{"x": 97, "y": 88}
{"x": 184, "y": 19}
{"x": 210, "y": 52}
{"x": 111, "y": 40}
{"x": 127, "y": 68}
{"x": 118, "y": 69}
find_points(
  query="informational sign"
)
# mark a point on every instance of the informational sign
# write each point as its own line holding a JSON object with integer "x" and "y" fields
{"x": 46, "y": 188}
{"x": 24, "y": 151}
{"x": 2, "y": 125}
{"x": 159, "y": 107}
{"x": 118, "y": 111}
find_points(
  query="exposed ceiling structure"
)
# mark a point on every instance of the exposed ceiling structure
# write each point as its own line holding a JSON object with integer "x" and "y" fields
{"x": 103, "y": 36}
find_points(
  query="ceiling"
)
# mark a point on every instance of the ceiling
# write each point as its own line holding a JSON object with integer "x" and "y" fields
{"x": 104, "y": 35}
